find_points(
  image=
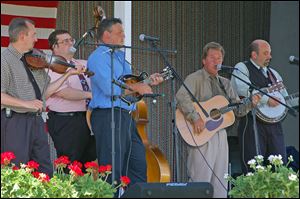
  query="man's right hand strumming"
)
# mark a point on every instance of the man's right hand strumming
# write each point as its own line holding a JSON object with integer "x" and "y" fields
{"x": 199, "y": 126}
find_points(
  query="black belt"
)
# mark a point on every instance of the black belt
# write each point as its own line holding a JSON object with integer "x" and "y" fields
{"x": 8, "y": 113}
{"x": 70, "y": 114}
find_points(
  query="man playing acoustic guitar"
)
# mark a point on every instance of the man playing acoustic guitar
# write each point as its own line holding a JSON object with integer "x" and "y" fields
{"x": 208, "y": 162}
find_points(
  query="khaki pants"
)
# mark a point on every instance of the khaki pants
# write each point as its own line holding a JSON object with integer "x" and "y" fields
{"x": 215, "y": 152}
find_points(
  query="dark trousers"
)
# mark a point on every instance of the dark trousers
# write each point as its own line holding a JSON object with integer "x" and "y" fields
{"x": 24, "y": 135}
{"x": 270, "y": 136}
{"x": 71, "y": 136}
{"x": 130, "y": 157}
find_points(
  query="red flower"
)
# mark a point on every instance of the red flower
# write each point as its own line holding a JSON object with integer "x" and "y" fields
{"x": 41, "y": 176}
{"x": 92, "y": 165}
{"x": 77, "y": 163}
{"x": 62, "y": 161}
{"x": 6, "y": 157}
{"x": 36, "y": 174}
{"x": 108, "y": 168}
{"x": 102, "y": 169}
{"x": 124, "y": 181}
{"x": 15, "y": 168}
{"x": 32, "y": 165}
{"x": 44, "y": 177}
{"x": 75, "y": 170}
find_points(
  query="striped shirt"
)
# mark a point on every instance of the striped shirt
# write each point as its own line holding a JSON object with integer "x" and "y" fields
{"x": 15, "y": 81}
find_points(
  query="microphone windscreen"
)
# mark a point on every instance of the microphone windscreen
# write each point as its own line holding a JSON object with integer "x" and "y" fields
{"x": 72, "y": 49}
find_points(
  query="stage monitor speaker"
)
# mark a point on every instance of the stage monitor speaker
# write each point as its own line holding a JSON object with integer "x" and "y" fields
{"x": 170, "y": 190}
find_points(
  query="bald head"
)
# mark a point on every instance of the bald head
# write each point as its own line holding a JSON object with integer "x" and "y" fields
{"x": 260, "y": 52}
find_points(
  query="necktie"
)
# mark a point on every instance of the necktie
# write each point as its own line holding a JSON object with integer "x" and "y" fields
{"x": 263, "y": 72}
{"x": 84, "y": 84}
{"x": 270, "y": 76}
{"x": 214, "y": 86}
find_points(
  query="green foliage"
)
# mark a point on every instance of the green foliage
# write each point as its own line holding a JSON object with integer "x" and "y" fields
{"x": 28, "y": 183}
{"x": 87, "y": 187}
{"x": 273, "y": 181}
{"x": 21, "y": 184}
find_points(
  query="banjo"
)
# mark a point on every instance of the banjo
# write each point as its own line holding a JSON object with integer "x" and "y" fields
{"x": 275, "y": 114}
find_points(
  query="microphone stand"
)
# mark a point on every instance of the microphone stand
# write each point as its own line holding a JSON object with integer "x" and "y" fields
{"x": 112, "y": 115}
{"x": 131, "y": 47}
{"x": 173, "y": 105}
{"x": 253, "y": 112}
{"x": 251, "y": 88}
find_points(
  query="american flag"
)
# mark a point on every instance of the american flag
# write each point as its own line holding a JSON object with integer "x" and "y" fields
{"x": 43, "y": 13}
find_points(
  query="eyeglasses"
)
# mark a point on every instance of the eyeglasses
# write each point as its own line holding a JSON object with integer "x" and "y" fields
{"x": 65, "y": 41}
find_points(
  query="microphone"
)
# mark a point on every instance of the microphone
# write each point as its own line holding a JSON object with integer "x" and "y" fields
{"x": 123, "y": 86}
{"x": 223, "y": 67}
{"x": 234, "y": 104}
{"x": 148, "y": 38}
{"x": 153, "y": 95}
{"x": 90, "y": 32}
{"x": 294, "y": 60}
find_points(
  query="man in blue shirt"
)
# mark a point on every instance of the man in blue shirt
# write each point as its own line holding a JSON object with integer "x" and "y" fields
{"x": 129, "y": 150}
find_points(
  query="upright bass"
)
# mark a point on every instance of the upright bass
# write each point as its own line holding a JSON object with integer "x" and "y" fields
{"x": 158, "y": 168}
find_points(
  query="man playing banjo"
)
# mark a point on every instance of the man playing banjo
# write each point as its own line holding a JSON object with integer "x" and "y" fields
{"x": 258, "y": 71}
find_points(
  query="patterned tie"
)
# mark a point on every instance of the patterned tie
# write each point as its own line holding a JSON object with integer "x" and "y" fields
{"x": 85, "y": 87}
{"x": 270, "y": 76}
{"x": 84, "y": 84}
{"x": 214, "y": 86}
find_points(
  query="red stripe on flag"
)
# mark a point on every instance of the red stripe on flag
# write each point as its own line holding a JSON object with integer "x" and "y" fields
{"x": 47, "y": 4}
{"x": 40, "y": 22}
{"x": 40, "y": 44}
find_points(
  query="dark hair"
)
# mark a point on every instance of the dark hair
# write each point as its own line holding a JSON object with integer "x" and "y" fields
{"x": 52, "y": 37}
{"x": 253, "y": 47}
{"x": 212, "y": 45}
{"x": 106, "y": 25}
{"x": 16, "y": 26}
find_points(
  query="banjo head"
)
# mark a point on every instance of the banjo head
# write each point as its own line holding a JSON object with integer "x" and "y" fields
{"x": 269, "y": 114}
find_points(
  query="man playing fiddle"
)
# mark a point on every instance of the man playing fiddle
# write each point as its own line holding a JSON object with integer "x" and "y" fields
{"x": 22, "y": 95}
{"x": 68, "y": 105}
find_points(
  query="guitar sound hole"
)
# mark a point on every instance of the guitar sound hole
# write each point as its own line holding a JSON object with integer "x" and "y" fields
{"x": 215, "y": 114}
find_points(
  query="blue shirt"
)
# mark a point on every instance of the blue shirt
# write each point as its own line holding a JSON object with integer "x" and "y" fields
{"x": 100, "y": 63}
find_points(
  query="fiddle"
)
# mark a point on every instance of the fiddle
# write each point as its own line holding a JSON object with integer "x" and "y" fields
{"x": 37, "y": 59}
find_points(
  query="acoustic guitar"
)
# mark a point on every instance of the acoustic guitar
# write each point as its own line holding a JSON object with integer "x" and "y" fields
{"x": 220, "y": 117}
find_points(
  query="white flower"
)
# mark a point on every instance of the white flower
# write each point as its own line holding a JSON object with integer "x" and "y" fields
{"x": 292, "y": 177}
{"x": 291, "y": 158}
{"x": 260, "y": 168}
{"x": 249, "y": 174}
{"x": 279, "y": 157}
{"x": 23, "y": 166}
{"x": 42, "y": 175}
{"x": 276, "y": 160}
{"x": 270, "y": 158}
{"x": 259, "y": 157}
{"x": 251, "y": 162}
{"x": 226, "y": 176}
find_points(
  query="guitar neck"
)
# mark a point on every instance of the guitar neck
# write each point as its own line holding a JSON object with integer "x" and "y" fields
{"x": 244, "y": 101}
{"x": 147, "y": 81}
{"x": 292, "y": 100}
{"x": 292, "y": 96}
